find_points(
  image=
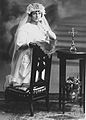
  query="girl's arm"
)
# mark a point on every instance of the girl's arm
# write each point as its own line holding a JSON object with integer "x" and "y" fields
{"x": 51, "y": 34}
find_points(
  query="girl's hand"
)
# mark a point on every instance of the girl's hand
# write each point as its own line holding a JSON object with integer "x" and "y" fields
{"x": 51, "y": 34}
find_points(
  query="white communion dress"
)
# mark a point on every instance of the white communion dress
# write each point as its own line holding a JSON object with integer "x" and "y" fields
{"x": 21, "y": 64}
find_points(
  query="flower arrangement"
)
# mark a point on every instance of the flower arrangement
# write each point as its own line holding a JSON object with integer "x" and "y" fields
{"x": 72, "y": 88}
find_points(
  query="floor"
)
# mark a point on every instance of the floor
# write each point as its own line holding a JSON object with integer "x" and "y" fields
{"x": 20, "y": 111}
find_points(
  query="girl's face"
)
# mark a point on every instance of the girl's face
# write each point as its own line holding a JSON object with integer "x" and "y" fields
{"x": 36, "y": 16}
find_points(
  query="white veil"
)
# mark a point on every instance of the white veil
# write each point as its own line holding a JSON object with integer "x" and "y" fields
{"x": 24, "y": 19}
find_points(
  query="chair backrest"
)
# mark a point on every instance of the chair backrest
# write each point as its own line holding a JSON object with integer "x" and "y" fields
{"x": 40, "y": 71}
{"x": 39, "y": 81}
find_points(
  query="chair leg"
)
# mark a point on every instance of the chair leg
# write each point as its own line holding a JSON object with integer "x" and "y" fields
{"x": 47, "y": 103}
{"x": 31, "y": 109}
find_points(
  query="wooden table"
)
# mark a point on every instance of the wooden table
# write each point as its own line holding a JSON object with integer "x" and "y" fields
{"x": 63, "y": 55}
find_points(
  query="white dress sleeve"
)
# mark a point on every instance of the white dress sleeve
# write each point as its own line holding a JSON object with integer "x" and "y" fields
{"x": 21, "y": 37}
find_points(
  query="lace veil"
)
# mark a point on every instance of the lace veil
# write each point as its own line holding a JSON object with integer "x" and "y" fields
{"x": 24, "y": 19}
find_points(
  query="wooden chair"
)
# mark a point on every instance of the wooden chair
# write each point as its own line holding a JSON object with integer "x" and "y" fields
{"x": 39, "y": 89}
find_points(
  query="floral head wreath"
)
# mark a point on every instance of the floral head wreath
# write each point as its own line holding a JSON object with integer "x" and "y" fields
{"x": 35, "y": 7}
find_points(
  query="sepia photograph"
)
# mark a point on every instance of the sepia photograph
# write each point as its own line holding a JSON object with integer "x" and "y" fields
{"x": 42, "y": 59}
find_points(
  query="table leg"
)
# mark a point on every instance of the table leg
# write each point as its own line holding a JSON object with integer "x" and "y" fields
{"x": 85, "y": 89}
{"x": 82, "y": 80}
{"x": 62, "y": 78}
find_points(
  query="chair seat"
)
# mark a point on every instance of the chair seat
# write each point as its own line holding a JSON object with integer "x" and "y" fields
{"x": 26, "y": 90}
{"x": 22, "y": 92}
